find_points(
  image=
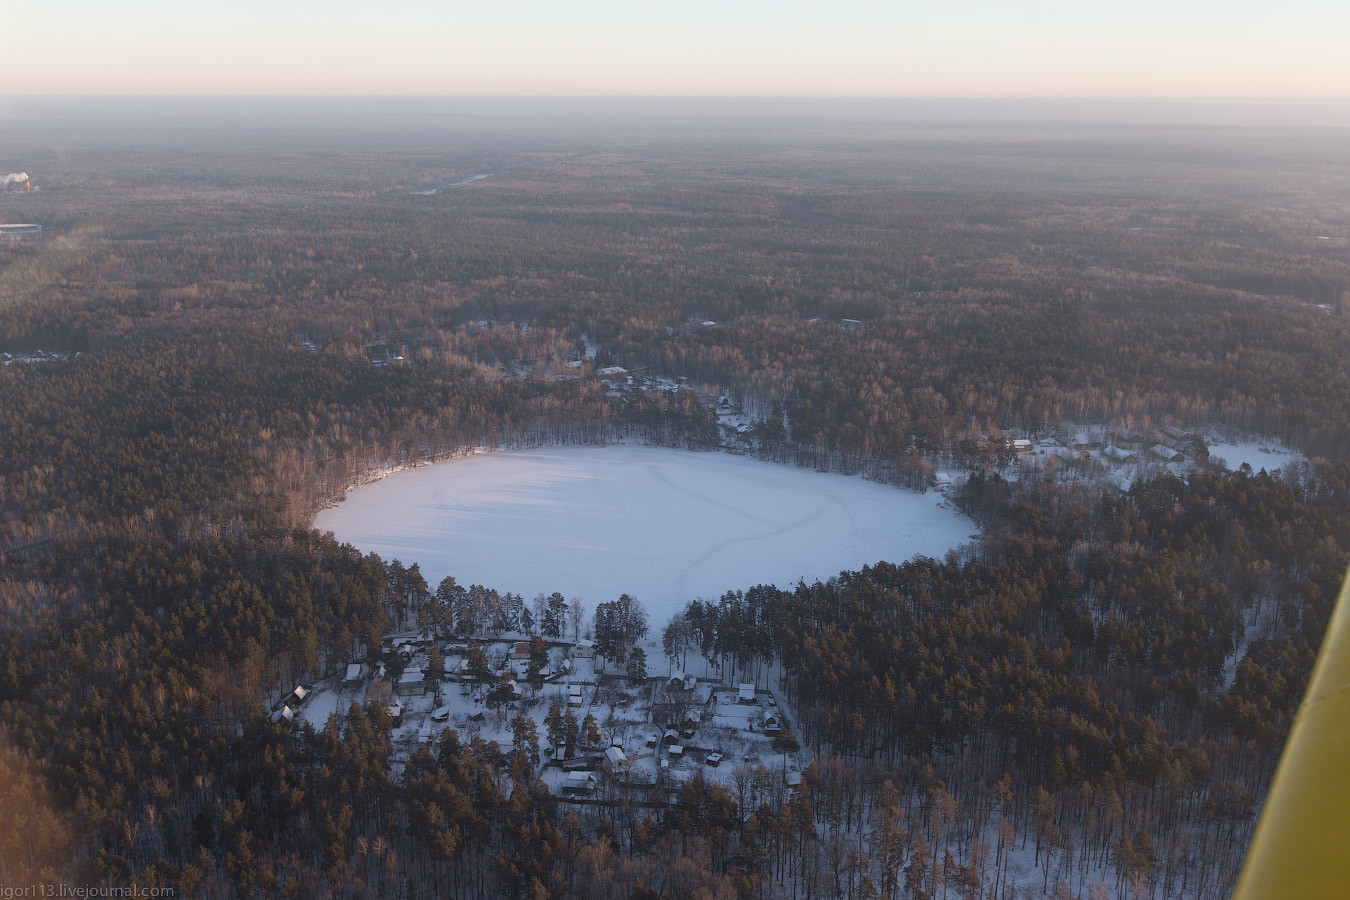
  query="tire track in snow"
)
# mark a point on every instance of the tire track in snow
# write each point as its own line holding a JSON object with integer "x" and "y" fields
{"x": 748, "y": 539}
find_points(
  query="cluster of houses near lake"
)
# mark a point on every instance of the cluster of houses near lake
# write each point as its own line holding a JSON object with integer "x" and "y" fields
{"x": 1121, "y": 446}
{"x": 629, "y": 737}
{"x": 1118, "y": 454}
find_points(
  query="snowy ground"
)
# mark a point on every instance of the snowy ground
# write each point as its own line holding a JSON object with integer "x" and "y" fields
{"x": 1259, "y": 454}
{"x": 666, "y": 526}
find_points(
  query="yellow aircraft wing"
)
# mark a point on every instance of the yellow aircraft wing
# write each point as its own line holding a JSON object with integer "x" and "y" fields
{"x": 1302, "y": 843}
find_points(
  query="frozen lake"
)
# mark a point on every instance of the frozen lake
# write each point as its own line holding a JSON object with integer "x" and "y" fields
{"x": 1259, "y": 454}
{"x": 666, "y": 526}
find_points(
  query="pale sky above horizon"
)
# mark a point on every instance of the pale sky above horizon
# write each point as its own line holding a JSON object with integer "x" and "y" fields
{"x": 960, "y": 48}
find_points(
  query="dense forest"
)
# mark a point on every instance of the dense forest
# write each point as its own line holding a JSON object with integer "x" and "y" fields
{"x": 241, "y": 333}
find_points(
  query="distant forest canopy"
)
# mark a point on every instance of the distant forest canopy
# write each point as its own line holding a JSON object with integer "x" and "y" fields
{"x": 1007, "y": 279}
{"x": 1104, "y": 681}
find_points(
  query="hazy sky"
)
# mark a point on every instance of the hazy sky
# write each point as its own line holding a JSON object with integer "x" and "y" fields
{"x": 1054, "y": 48}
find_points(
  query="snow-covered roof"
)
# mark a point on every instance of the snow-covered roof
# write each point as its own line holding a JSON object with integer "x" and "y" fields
{"x": 410, "y": 676}
{"x": 612, "y": 370}
{"x": 300, "y": 692}
{"x": 615, "y": 755}
{"x": 746, "y": 690}
{"x": 579, "y": 778}
{"x": 353, "y": 672}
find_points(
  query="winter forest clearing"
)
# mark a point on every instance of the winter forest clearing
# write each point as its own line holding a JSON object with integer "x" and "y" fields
{"x": 665, "y": 526}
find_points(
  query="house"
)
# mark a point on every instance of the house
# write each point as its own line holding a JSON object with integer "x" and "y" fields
{"x": 792, "y": 778}
{"x": 395, "y": 711}
{"x": 521, "y": 651}
{"x": 676, "y": 751}
{"x": 298, "y": 696}
{"x": 772, "y": 724}
{"x": 412, "y": 683}
{"x": 612, "y": 372}
{"x": 1166, "y": 454}
{"x": 579, "y": 783}
{"x": 585, "y": 649}
{"x": 1131, "y": 440}
{"x": 574, "y": 696}
{"x": 440, "y": 714}
{"x": 1021, "y": 445}
{"x": 670, "y": 737}
{"x": 679, "y": 681}
{"x": 1120, "y": 455}
{"x": 285, "y": 714}
{"x": 1174, "y": 435}
{"x": 615, "y": 758}
{"x": 745, "y": 692}
{"x": 356, "y": 673}
{"x": 713, "y": 760}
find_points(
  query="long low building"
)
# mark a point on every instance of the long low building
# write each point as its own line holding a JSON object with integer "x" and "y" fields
{"x": 19, "y": 232}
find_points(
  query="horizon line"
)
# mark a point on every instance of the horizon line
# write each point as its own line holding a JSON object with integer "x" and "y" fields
{"x": 1066, "y": 98}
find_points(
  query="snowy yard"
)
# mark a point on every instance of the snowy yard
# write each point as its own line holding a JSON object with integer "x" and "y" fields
{"x": 666, "y": 526}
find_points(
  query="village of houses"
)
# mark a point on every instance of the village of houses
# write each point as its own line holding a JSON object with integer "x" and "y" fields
{"x": 636, "y": 739}
{"x": 1119, "y": 454}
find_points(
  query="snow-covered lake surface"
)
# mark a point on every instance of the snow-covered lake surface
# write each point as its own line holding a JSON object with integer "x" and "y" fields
{"x": 1259, "y": 454}
{"x": 666, "y": 526}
